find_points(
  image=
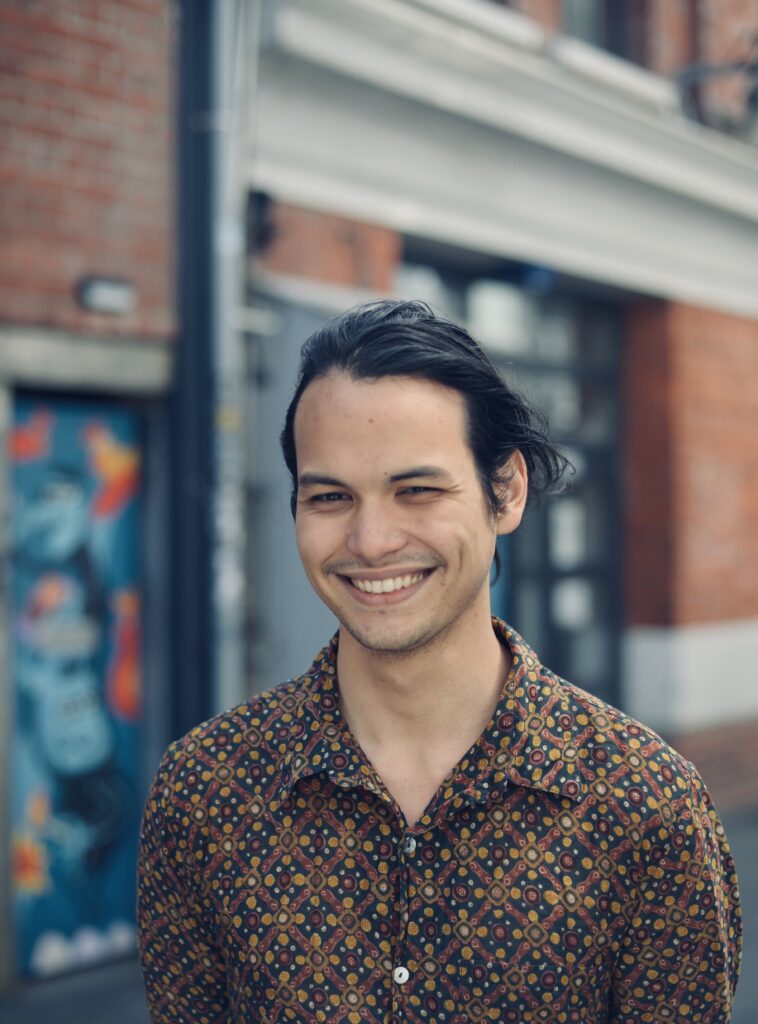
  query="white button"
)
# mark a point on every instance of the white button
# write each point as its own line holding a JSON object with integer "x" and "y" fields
{"x": 409, "y": 846}
{"x": 400, "y": 975}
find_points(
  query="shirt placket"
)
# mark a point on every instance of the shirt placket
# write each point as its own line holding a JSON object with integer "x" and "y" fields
{"x": 403, "y": 981}
{"x": 403, "y": 977}
{"x": 406, "y": 844}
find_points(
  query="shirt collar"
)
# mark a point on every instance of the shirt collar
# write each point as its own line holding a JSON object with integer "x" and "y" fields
{"x": 533, "y": 739}
{"x": 539, "y": 727}
{"x": 319, "y": 741}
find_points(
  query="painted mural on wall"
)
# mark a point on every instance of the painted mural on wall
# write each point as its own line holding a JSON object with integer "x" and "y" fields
{"x": 75, "y": 667}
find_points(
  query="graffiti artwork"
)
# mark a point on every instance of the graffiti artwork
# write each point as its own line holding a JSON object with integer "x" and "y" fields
{"x": 75, "y": 668}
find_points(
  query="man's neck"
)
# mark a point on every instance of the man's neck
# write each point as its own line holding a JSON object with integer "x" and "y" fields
{"x": 417, "y": 714}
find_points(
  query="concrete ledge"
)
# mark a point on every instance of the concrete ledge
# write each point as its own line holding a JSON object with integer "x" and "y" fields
{"x": 684, "y": 678}
{"x": 40, "y": 357}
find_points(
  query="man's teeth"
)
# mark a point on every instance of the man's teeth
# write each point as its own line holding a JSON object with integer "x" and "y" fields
{"x": 386, "y": 586}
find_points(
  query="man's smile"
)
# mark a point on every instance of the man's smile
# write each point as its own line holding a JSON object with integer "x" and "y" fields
{"x": 386, "y": 589}
{"x": 387, "y": 585}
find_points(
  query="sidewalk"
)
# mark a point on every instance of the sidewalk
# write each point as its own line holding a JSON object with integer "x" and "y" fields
{"x": 111, "y": 995}
{"x": 114, "y": 995}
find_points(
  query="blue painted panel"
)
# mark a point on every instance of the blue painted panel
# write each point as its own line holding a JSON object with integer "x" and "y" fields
{"x": 75, "y": 680}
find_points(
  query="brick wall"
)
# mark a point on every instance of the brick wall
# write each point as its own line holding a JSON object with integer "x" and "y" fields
{"x": 726, "y": 30}
{"x": 691, "y": 392}
{"x": 648, "y": 498}
{"x": 87, "y": 124}
{"x": 716, "y": 453}
{"x": 335, "y": 250}
{"x": 677, "y": 33}
{"x": 671, "y": 39}
{"x": 682, "y": 32}
{"x": 547, "y": 13}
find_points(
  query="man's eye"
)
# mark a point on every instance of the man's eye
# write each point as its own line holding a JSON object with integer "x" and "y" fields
{"x": 329, "y": 497}
{"x": 418, "y": 490}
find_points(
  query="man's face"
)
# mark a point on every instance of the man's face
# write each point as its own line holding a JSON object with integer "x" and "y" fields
{"x": 392, "y": 524}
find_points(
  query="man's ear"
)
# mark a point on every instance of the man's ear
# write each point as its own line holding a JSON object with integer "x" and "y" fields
{"x": 512, "y": 491}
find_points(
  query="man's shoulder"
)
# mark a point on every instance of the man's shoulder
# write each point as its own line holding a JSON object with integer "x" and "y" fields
{"x": 254, "y": 734}
{"x": 614, "y": 746}
{"x": 592, "y": 745}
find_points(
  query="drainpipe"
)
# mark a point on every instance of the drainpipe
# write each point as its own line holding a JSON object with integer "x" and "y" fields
{"x": 235, "y": 64}
{"x": 218, "y": 58}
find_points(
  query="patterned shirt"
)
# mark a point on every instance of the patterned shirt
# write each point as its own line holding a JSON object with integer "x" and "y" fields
{"x": 570, "y": 868}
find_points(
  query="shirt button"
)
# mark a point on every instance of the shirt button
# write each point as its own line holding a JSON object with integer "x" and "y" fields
{"x": 400, "y": 975}
{"x": 409, "y": 846}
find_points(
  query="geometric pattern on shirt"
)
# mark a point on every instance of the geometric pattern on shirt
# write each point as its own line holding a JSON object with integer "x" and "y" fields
{"x": 571, "y": 868}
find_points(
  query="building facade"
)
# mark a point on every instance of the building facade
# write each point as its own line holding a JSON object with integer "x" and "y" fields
{"x": 574, "y": 179}
{"x": 88, "y": 320}
{"x": 577, "y": 181}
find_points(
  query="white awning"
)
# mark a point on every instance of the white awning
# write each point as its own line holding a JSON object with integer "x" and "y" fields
{"x": 463, "y": 122}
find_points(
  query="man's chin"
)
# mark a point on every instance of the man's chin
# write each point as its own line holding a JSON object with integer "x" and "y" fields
{"x": 392, "y": 643}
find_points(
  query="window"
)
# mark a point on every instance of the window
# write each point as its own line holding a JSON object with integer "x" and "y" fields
{"x": 560, "y": 579}
{"x": 618, "y": 26}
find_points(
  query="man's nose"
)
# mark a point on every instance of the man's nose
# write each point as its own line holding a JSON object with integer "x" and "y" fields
{"x": 374, "y": 532}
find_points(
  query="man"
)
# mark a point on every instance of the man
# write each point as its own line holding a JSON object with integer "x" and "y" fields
{"x": 427, "y": 826}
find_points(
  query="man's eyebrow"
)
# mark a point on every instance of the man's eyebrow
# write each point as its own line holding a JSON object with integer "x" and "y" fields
{"x": 313, "y": 479}
{"x": 414, "y": 473}
{"x": 419, "y": 471}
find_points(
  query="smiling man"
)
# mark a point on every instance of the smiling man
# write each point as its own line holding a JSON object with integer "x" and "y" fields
{"x": 428, "y": 825}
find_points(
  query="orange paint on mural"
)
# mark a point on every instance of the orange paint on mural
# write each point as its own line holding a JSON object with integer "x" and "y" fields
{"x": 116, "y": 466}
{"x": 29, "y": 865}
{"x": 31, "y": 440}
{"x": 124, "y": 684}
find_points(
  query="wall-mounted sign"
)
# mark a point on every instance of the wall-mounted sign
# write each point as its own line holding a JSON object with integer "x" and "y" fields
{"x": 75, "y": 682}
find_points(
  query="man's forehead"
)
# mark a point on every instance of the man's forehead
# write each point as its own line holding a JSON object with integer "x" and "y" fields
{"x": 394, "y": 427}
{"x": 397, "y": 389}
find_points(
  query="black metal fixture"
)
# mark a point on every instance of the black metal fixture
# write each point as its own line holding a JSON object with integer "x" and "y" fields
{"x": 691, "y": 77}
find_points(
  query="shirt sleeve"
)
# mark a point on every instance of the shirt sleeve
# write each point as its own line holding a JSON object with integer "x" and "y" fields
{"x": 680, "y": 957}
{"x": 183, "y": 967}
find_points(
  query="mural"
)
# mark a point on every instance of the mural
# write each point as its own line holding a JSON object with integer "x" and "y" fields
{"x": 75, "y": 667}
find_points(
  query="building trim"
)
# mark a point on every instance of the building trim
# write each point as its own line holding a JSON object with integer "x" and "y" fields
{"x": 563, "y": 156}
{"x": 558, "y": 92}
{"x": 683, "y": 678}
{"x": 45, "y": 358}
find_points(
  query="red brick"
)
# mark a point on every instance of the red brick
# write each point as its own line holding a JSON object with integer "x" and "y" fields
{"x": 547, "y": 13}
{"x": 670, "y": 39}
{"x": 86, "y": 151}
{"x": 333, "y": 249}
{"x": 727, "y": 29}
{"x": 679, "y": 33}
{"x": 691, "y": 504}
{"x": 649, "y": 510}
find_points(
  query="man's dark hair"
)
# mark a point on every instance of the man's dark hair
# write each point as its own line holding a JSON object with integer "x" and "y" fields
{"x": 406, "y": 339}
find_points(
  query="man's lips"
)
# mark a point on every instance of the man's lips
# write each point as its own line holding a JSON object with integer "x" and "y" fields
{"x": 386, "y": 588}
{"x": 386, "y": 584}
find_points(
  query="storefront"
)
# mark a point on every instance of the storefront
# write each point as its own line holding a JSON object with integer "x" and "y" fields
{"x": 83, "y": 624}
{"x": 558, "y": 200}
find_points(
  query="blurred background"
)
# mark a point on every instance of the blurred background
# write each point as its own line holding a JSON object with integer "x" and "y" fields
{"x": 187, "y": 190}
